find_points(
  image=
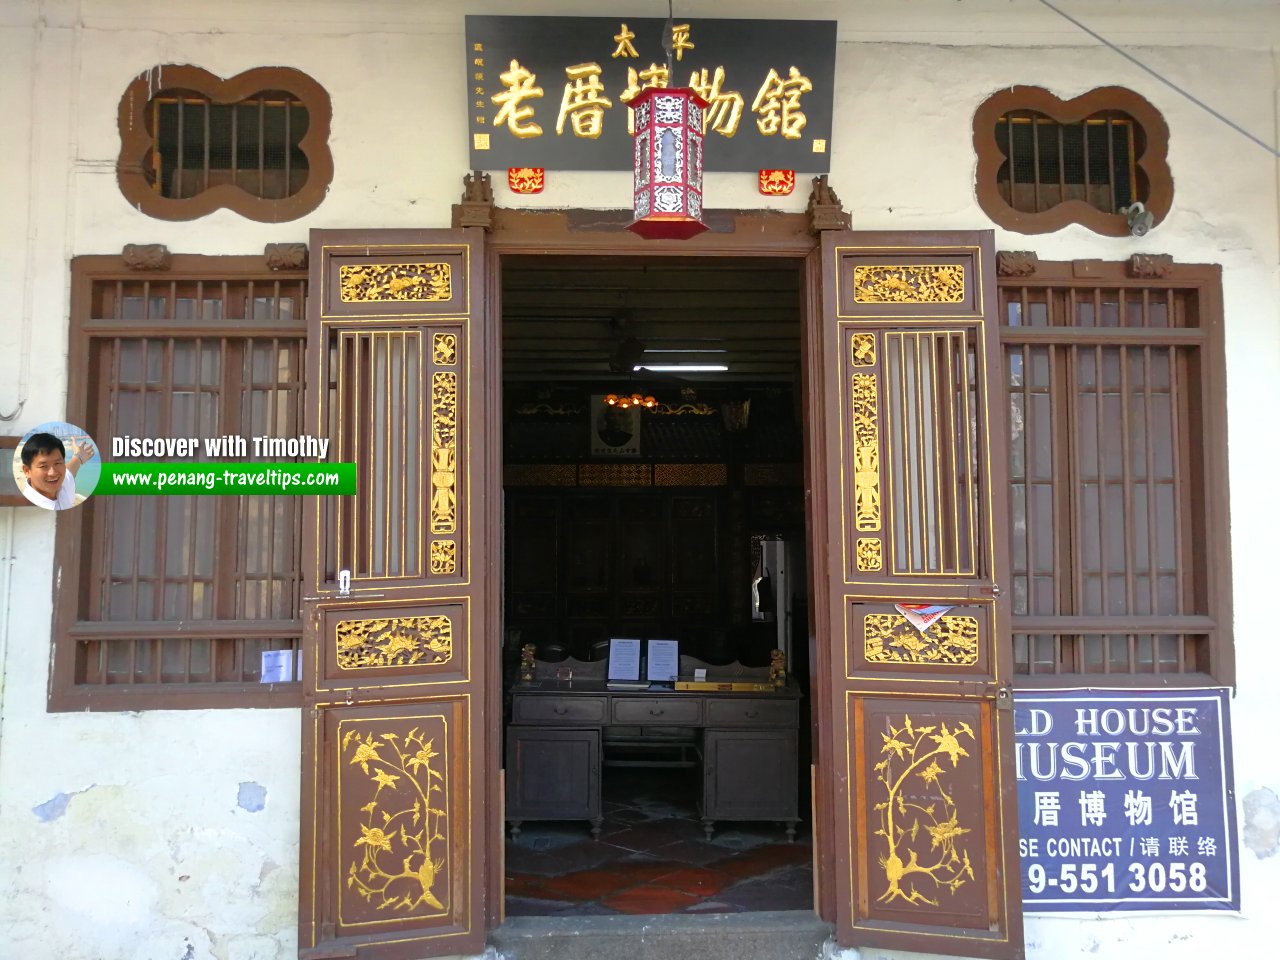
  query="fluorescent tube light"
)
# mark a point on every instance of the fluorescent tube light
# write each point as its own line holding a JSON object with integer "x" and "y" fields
{"x": 682, "y": 367}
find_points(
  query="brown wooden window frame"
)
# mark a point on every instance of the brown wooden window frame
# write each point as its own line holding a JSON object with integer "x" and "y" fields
{"x": 82, "y": 546}
{"x": 137, "y": 165}
{"x": 1149, "y": 166}
{"x": 8, "y": 446}
{"x": 1191, "y": 335}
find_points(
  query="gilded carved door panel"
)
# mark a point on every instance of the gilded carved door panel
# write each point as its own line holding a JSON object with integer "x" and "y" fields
{"x": 915, "y": 738}
{"x": 395, "y": 734}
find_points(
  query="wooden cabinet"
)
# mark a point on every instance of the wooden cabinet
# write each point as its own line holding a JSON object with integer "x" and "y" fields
{"x": 553, "y": 775}
{"x": 749, "y": 774}
{"x": 747, "y": 745}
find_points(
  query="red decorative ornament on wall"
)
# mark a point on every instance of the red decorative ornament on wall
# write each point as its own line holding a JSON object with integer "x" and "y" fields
{"x": 668, "y": 163}
{"x": 526, "y": 179}
{"x": 777, "y": 183}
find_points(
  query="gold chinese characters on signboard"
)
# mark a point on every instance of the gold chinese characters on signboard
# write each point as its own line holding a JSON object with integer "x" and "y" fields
{"x": 585, "y": 100}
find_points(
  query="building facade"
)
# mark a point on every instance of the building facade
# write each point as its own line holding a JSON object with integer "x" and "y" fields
{"x": 162, "y": 815}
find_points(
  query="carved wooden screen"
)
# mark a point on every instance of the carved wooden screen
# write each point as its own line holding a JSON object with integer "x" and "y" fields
{"x": 394, "y": 727}
{"x": 914, "y": 726}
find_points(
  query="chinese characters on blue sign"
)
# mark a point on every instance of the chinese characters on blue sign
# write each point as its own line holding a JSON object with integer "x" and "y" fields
{"x": 553, "y": 92}
{"x": 1125, "y": 800}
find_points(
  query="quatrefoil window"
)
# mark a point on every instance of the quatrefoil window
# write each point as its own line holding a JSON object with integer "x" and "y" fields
{"x": 192, "y": 142}
{"x": 1044, "y": 163}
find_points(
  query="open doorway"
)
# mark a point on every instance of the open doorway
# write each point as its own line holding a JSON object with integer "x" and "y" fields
{"x": 673, "y": 513}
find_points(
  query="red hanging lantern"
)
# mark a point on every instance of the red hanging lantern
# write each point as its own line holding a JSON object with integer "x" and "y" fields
{"x": 668, "y": 183}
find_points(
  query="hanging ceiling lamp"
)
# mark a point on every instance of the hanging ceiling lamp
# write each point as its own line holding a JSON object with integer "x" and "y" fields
{"x": 668, "y": 158}
{"x": 626, "y": 401}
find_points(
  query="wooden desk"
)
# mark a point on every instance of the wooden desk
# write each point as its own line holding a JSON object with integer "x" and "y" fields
{"x": 746, "y": 742}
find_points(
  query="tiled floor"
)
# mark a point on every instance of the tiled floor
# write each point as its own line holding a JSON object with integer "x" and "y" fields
{"x": 653, "y": 857}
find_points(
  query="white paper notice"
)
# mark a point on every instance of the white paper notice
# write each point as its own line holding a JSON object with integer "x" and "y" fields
{"x": 624, "y": 659}
{"x": 277, "y": 666}
{"x": 664, "y": 660}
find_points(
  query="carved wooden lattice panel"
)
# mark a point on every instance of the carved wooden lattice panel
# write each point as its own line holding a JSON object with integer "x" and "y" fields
{"x": 915, "y": 759}
{"x": 380, "y": 283}
{"x": 890, "y": 638}
{"x": 394, "y": 837}
{"x": 394, "y": 642}
{"x": 403, "y": 410}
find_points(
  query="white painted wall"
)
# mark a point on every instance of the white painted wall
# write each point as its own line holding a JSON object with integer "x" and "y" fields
{"x": 145, "y": 850}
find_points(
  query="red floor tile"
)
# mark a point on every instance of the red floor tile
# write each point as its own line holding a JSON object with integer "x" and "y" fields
{"x": 751, "y": 863}
{"x": 650, "y": 898}
{"x": 524, "y": 885}
{"x": 594, "y": 884}
{"x": 700, "y": 880}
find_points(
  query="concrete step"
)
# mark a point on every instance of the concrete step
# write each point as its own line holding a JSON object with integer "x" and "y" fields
{"x": 779, "y": 935}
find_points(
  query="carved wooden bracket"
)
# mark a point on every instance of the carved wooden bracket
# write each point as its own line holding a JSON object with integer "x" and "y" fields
{"x": 1150, "y": 265}
{"x": 476, "y": 208}
{"x": 146, "y": 256}
{"x": 825, "y": 211}
{"x": 1016, "y": 263}
{"x": 286, "y": 256}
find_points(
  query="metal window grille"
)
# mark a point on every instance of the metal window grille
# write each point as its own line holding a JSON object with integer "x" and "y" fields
{"x": 1106, "y": 392}
{"x": 1049, "y": 162}
{"x": 252, "y": 144}
{"x": 188, "y": 590}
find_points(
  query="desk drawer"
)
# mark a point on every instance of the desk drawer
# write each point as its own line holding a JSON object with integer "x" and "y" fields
{"x": 725, "y": 712}
{"x": 657, "y": 711}
{"x": 579, "y": 710}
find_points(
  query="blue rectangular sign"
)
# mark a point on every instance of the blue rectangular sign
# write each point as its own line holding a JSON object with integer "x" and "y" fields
{"x": 1126, "y": 800}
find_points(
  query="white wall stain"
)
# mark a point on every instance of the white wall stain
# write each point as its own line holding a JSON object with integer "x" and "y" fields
{"x": 1260, "y": 830}
{"x": 56, "y": 806}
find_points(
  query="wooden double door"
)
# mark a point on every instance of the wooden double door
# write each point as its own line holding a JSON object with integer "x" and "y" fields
{"x": 914, "y": 801}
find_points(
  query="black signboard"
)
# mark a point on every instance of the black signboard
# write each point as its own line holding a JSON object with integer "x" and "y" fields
{"x": 552, "y": 92}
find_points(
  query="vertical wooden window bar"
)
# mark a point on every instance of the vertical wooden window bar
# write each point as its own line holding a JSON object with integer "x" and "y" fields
{"x": 1049, "y": 162}
{"x": 190, "y": 590}
{"x": 1106, "y": 394}
{"x": 252, "y": 144}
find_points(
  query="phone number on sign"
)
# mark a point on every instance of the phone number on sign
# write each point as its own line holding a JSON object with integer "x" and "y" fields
{"x": 1142, "y": 878}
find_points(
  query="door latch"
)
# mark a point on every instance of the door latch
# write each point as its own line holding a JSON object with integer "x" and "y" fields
{"x": 1004, "y": 698}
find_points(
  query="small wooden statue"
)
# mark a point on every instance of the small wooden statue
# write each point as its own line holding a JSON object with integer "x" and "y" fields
{"x": 777, "y": 668}
{"x": 526, "y": 663}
